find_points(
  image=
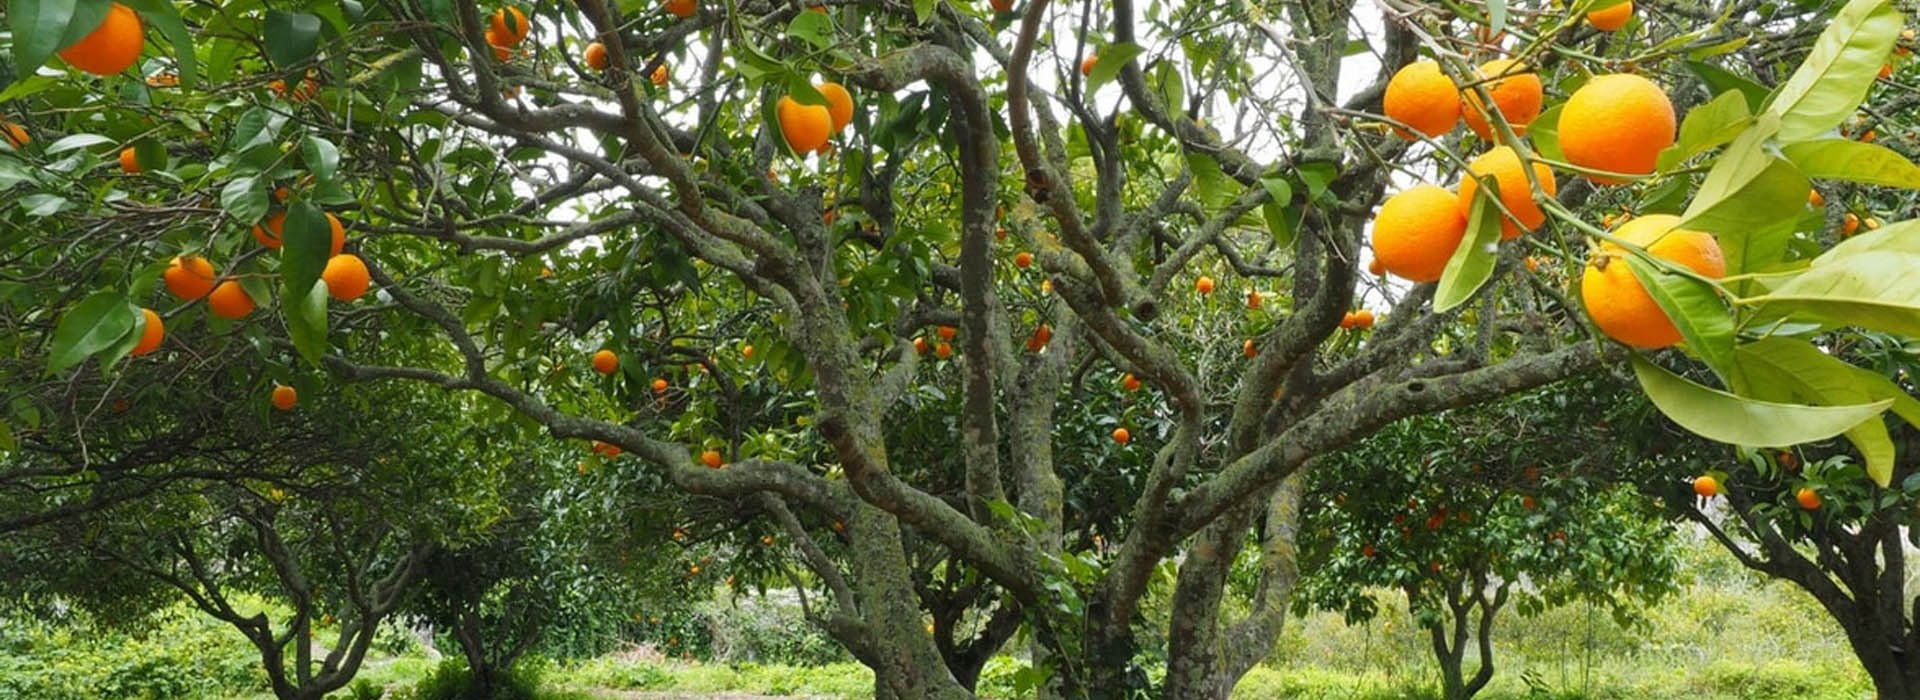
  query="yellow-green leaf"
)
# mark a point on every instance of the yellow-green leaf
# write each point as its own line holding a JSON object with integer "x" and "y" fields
{"x": 1830, "y": 84}
{"x": 1737, "y": 420}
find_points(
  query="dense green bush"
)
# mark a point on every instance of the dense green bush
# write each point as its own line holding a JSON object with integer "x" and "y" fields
{"x": 178, "y": 654}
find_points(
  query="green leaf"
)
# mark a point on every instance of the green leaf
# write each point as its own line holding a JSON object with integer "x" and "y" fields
{"x": 1279, "y": 195}
{"x": 1172, "y": 88}
{"x": 95, "y": 324}
{"x": 76, "y": 142}
{"x": 1853, "y": 161}
{"x": 1694, "y": 307}
{"x": 308, "y": 238}
{"x": 306, "y": 314}
{"x": 1866, "y": 281}
{"x": 1318, "y": 175}
{"x": 43, "y": 204}
{"x": 7, "y": 442}
{"x": 1707, "y": 127}
{"x": 321, "y": 157}
{"x": 162, "y": 15}
{"x": 150, "y": 154}
{"x": 1544, "y": 132}
{"x": 1209, "y": 181}
{"x": 1473, "y": 260}
{"x": 1838, "y": 72}
{"x": 291, "y": 37}
{"x": 1749, "y": 200}
{"x": 1106, "y": 67}
{"x": 1720, "y": 80}
{"x": 1790, "y": 369}
{"x": 245, "y": 199}
{"x": 812, "y": 27}
{"x": 1735, "y": 420}
{"x": 41, "y": 27}
{"x": 1720, "y": 49}
{"x": 1496, "y": 16}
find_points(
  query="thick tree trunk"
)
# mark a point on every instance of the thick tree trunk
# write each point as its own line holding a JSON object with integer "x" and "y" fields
{"x": 906, "y": 664}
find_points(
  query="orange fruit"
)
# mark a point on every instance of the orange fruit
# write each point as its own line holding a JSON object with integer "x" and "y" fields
{"x": 129, "y": 162}
{"x": 711, "y": 458}
{"x": 1416, "y": 232}
{"x": 1346, "y": 320}
{"x": 1886, "y": 71}
{"x": 1130, "y": 382}
{"x": 1871, "y": 223}
{"x": 1618, "y": 123}
{"x": 1248, "y": 349}
{"x": 189, "y": 277}
{"x": 111, "y": 47}
{"x": 659, "y": 384}
{"x": 606, "y": 449}
{"x": 596, "y": 56}
{"x": 270, "y": 236}
{"x": 1253, "y": 298}
{"x": 339, "y": 235}
{"x": 920, "y": 345}
{"x": 1422, "y": 97}
{"x": 1849, "y": 224}
{"x": 1023, "y": 260}
{"x": 682, "y": 8}
{"x": 1619, "y": 306}
{"x": 151, "y": 333}
{"x": 1363, "y": 319}
{"x": 747, "y": 352}
{"x": 806, "y": 127}
{"x": 946, "y": 332}
{"x": 1612, "y": 18}
{"x": 1120, "y": 435}
{"x": 765, "y": 540}
{"x": 1204, "y": 285}
{"x": 1706, "y": 486}
{"x": 1808, "y": 498}
{"x": 16, "y": 134}
{"x": 1086, "y": 65}
{"x": 230, "y": 301}
{"x": 1376, "y": 268}
{"x": 510, "y": 26}
{"x": 1041, "y": 336}
{"x": 1814, "y": 199}
{"x": 346, "y": 277}
{"x": 1001, "y": 5}
{"x": 659, "y": 77}
{"x": 1516, "y": 193}
{"x": 284, "y": 397}
{"x": 943, "y": 350}
{"x": 605, "y": 362}
{"x": 839, "y": 103}
{"x": 1516, "y": 91}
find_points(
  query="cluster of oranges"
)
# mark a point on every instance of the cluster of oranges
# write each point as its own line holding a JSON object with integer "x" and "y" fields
{"x": 1611, "y": 129}
{"x": 808, "y": 128}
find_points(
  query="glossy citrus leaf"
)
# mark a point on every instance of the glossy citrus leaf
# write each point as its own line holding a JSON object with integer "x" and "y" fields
{"x": 1866, "y": 281}
{"x": 1836, "y": 75}
{"x": 1718, "y": 415}
{"x": 41, "y": 27}
{"x": 1790, "y": 369}
{"x": 306, "y": 314}
{"x": 1113, "y": 57}
{"x": 162, "y": 15}
{"x": 1473, "y": 260}
{"x": 1695, "y": 308}
{"x": 95, "y": 324}
{"x": 1853, "y": 161}
{"x": 1707, "y": 127}
{"x": 308, "y": 238}
{"x": 291, "y": 37}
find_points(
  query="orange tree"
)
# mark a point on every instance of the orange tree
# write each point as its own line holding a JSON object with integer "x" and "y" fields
{"x": 754, "y": 259}
{"x": 1474, "y": 510}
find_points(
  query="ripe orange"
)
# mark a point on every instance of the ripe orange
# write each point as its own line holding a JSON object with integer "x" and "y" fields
{"x": 1001, "y": 5}
{"x": 1041, "y": 336}
{"x": 1808, "y": 498}
{"x": 1204, "y": 285}
{"x": 129, "y": 162}
{"x": 1363, "y": 319}
{"x": 111, "y": 47}
{"x": 747, "y": 352}
{"x": 1416, "y": 232}
{"x": 606, "y": 449}
{"x": 1612, "y": 18}
{"x": 1253, "y": 298}
{"x": 270, "y": 235}
{"x": 1120, "y": 435}
{"x": 510, "y": 26}
{"x": 766, "y": 541}
{"x": 682, "y": 8}
{"x": 1247, "y": 348}
{"x": 1130, "y": 382}
{"x": 1618, "y": 123}
{"x": 1516, "y": 193}
{"x": 946, "y": 332}
{"x": 659, "y": 385}
{"x": 806, "y": 127}
{"x": 346, "y": 277}
{"x": 1086, "y": 65}
{"x": 1619, "y": 306}
{"x": 1849, "y": 224}
{"x": 151, "y": 333}
{"x": 1376, "y": 268}
{"x": 1814, "y": 199}
{"x": 596, "y": 56}
{"x": 1706, "y": 486}
{"x": 659, "y": 77}
{"x": 1422, "y": 97}
{"x": 1516, "y": 91}
{"x": 189, "y": 277}
{"x": 230, "y": 301}
{"x": 16, "y": 134}
{"x": 920, "y": 345}
{"x": 1527, "y": 502}
{"x": 605, "y": 362}
{"x": 1023, "y": 260}
{"x": 943, "y": 350}
{"x": 284, "y": 397}
{"x": 711, "y": 458}
{"x": 839, "y": 103}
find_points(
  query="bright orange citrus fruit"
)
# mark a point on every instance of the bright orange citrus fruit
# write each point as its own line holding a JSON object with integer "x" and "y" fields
{"x": 1616, "y": 301}
{"x": 1516, "y": 192}
{"x": 189, "y": 277}
{"x": 151, "y": 333}
{"x": 1515, "y": 89}
{"x": 1422, "y": 97}
{"x": 111, "y": 47}
{"x": 806, "y": 127}
{"x": 1618, "y": 123}
{"x": 1417, "y": 231}
{"x": 230, "y": 301}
